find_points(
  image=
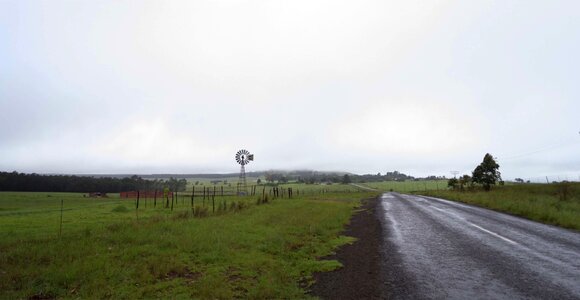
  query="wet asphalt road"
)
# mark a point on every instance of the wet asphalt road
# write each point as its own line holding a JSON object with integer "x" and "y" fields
{"x": 439, "y": 249}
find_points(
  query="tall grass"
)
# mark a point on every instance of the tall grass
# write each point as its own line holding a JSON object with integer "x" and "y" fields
{"x": 557, "y": 204}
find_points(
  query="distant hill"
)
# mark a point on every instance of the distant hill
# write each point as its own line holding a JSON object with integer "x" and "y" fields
{"x": 291, "y": 174}
{"x": 307, "y": 176}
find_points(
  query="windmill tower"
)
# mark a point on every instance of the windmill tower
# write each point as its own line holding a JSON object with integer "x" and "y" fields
{"x": 243, "y": 157}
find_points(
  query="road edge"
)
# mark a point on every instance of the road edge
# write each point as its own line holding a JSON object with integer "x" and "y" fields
{"x": 363, "y": 273}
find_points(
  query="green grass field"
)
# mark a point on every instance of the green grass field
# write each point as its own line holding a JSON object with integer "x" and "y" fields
{"x": 231, "y": 185}
{"x": 245, "y": 251}
{"x": 231, "y": 181}
{"x": 557, "y": 204}
{"x": 407, "y": 186}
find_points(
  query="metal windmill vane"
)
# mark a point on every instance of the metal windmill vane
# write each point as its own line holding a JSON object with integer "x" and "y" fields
{"x": 243, "y": 157}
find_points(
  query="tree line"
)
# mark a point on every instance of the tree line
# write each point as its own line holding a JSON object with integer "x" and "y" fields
{"x": 313, "y": 177}
{"x": 21, "y": 182}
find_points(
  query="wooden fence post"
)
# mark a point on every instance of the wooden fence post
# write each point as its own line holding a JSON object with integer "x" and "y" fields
{"x": 61, "y": 209}
{"x": 213, "y": 200}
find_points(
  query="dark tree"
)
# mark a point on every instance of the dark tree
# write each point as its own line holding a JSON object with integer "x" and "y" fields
{"x": 464, "y": 181}
{"x": 487, "y": 173}
{"x": 345, "y": 179}
{"x": 452, "y": 183}
{"x": 270, "y": 177}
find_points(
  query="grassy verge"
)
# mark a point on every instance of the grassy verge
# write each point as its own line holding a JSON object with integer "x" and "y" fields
{"x": 261, "y": 251}
{"x": 556, "y": 204}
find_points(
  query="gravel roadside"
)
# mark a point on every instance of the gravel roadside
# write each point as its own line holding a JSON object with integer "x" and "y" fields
{"x": 363, "y": 275}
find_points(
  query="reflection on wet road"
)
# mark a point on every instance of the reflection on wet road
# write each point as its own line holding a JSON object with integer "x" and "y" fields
{"x": 442, "y": 249}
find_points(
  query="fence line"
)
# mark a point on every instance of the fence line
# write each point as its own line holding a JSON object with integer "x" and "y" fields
{"x": 549, "y": 178}
{"x": 64, "y": 218}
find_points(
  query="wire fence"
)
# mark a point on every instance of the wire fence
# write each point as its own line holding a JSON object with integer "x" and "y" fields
{"x": 547, "y": 179}
{"x": 25, "y": 216}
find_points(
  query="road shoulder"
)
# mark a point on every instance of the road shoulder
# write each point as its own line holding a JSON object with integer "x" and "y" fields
{"x": 362, "y": 274}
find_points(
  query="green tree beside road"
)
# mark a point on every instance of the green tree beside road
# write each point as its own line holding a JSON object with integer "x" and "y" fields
{"x": 487, "y": 173}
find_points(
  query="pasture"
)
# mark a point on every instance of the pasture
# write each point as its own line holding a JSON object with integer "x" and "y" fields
{"x": 109, "y": 249}
{"x": 407, "y": 186}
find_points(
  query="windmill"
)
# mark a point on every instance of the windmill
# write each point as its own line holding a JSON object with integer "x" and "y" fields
{"x": 243, "y": 157}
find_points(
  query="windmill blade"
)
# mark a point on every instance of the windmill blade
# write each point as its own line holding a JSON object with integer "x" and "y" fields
{"x": 243, "y": 157}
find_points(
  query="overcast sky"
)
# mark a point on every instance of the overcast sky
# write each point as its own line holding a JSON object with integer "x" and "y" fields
{"x": 423, "y": 87}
